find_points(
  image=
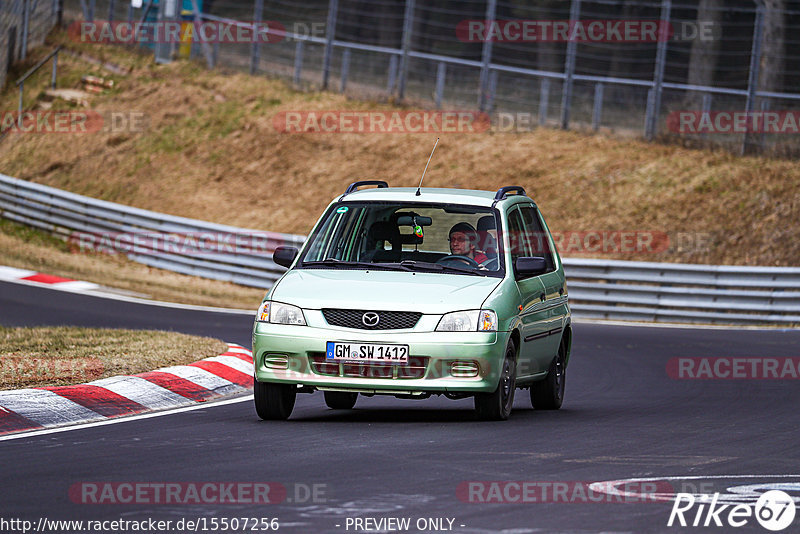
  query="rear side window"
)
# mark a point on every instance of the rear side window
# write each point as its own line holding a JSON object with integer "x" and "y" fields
{"x": 537, "y": 238}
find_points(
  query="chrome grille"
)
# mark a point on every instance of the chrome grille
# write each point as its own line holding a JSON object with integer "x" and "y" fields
{"x": 387, "y": 320}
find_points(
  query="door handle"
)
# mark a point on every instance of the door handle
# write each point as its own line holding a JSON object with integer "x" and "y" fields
{"x": 543, "y": 296}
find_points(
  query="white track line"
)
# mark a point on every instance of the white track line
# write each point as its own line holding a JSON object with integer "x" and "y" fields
{"x": 117, "y": 420}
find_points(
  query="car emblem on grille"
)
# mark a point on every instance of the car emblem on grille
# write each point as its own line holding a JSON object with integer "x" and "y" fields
{"x": 370, "y": 319}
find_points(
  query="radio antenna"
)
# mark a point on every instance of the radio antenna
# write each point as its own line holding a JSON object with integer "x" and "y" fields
{"x": 426, "y": 167}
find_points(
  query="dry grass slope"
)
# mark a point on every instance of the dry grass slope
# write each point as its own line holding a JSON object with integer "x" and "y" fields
{"x": 211, "y": 152}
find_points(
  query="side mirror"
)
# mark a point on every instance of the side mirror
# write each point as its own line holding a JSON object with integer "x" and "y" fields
{"x": 285, "y": 256}
{"x": 527, "y": 266}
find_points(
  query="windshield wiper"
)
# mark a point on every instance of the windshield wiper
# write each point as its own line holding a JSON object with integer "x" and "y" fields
{"x": 365, "y": 264}
{"x": 440, "y": 267}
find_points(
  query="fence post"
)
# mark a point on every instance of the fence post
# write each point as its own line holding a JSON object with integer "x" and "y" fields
{"x": 298, "y": 61}
{"x": 130, "y": 14}
{"x": 92, "y": 5}
{"x": 198, "y": 21}
{"x": 392, "y": 80}
{"x": 569, "y": 66}
{"x": 258, "y": 14}
{"x": 706, "y": 109}
{"x": 333, "y": 6}
{"x": 653, "y": 110}
{"x": 491, "y": 90}
{"x": 55, "y": 71}
{"x": 111, "y": 10}
{"x": 544, "y": 98}
{"x": 408, "y": 26}
{"x": 441, "y": 72}
{"x": 764, "y": 107}
{"x": 486, "y": 55}
{"x": 26, "y": 15}
{"x": 84, "y": 10}
{"x": 597, "y": 110}
{"x": 755, "y": 63}
{"x": 345, "y": 70}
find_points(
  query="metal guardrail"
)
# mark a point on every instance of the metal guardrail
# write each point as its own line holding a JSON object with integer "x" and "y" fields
{"x": 608, "y": 289}
{"x": 68, "y": 214}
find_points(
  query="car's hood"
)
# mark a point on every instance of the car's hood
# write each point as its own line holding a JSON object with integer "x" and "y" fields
{"x": 430, "y": 293}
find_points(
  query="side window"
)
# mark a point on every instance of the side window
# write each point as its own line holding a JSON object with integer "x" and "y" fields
{"x": 516, "y": 236}
{"x": 536, "y": 236}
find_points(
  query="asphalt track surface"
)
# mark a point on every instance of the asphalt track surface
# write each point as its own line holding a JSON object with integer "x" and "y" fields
{"x": 623, "y": 417}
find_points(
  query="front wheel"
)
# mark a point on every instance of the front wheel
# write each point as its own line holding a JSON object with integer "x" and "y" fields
{"x": 340, "y": 400}
{"x": 274, "y": 401}
{"x": 548, "y": 394}
{"x": 496, "y": 406}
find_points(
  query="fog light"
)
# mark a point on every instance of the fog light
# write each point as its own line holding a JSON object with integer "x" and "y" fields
{"x": 276, "y": 361}
{"x": 464, "y": 369}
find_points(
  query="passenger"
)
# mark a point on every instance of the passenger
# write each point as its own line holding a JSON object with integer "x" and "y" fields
{"x": 463, "y": 238}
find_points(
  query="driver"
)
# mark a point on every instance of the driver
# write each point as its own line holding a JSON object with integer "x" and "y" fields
{"x": 463, "y": 238}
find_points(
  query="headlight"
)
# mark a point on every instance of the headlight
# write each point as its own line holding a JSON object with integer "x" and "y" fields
{"x": 279, "y": 313}
{"x": 468, "y": 321}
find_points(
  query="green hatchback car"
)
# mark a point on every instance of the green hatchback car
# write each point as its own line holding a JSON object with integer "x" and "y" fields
{"x": 413, "y": 292}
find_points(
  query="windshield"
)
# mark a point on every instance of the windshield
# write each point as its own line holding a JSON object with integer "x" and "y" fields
{"x": 448, "y": 238}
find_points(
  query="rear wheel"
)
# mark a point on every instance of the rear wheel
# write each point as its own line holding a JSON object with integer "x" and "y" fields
{"x": 340, "y": 400}
{"x": 274, "y": 401}
{"x": 548, "y": 394}
{"x": 496, "y": 406}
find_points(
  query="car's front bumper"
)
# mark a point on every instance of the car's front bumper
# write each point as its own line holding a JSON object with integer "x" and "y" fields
{"x": 432, "y": 356}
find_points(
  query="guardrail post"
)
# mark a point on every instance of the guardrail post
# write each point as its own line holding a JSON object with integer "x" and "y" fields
{"x": 392, "y": 78}
{"x": 486, "y": 56}
{"x": 408, "y": 26}
{"x": 298, "y": 61}
{"x": 441, "y": 72}
{"x": 544, "y": 100}
{"x": 597, "y": 109}
{"x": 755, "y": 64}
{"x": 569, "y": 65}
{"x": 345, "y": 70}
{"x": 333, "y": 6}
{"x": 654, "y": 109}
{"x": 258, "y": 14}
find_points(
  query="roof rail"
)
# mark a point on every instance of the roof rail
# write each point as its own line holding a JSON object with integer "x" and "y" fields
{"x": 503, "y": 191}
{"x": 355, "y": 185}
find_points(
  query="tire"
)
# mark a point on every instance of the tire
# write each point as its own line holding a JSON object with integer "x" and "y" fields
{"x": 340, "y": 400}
{"x": 274, "y": 401}
{"x": 496, "y": 406}
{"x": 548, "y": 394}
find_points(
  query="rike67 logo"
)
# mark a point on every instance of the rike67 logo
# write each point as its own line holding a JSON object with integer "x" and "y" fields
{"x": 774, "y": 510}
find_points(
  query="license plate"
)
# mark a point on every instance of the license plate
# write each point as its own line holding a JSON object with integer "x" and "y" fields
{"x": 367, "y": 352}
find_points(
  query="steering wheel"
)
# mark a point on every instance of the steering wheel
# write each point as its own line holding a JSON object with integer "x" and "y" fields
{"x": 455, "y": 257}
{"x": 490, "y": 264}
